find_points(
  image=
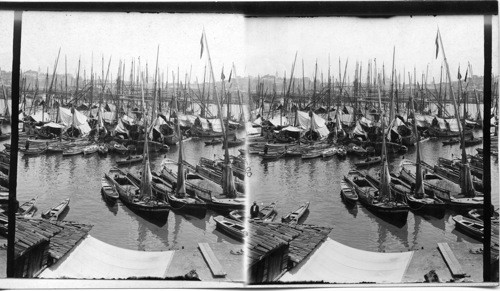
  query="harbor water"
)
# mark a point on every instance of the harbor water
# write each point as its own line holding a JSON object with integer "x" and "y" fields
{"x": 53, "y": 178}
{"x": 292, "y": 181}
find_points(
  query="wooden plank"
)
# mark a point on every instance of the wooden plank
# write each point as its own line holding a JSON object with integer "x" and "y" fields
{"x": 212, "y": 260}
{"x": 451, "y": 260}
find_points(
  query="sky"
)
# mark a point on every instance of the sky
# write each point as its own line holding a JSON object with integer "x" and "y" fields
{"x": 257, "y": 46}
{"x": 272, "y": 43}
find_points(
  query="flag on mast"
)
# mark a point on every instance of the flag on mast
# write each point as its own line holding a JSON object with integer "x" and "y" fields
{"x": 459, "y": 75}
{"x": 437, "y": 44}
{"x": 201, "y": 42}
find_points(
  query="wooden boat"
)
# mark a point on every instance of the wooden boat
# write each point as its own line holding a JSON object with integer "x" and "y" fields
{"x": 72, "y": 151}
{"x": 238, "y": 214}
{"x": 329, "y": 152}
{"x": 235, "y": 142}
{"x": 55, "y": 148}
{"x": 34, "y": 151}
{"x": 470, "y": 227}
{"x": 213, "y": 141}
{"x": 91, "y": 149}
{"x": 451, "y": 141}
{"x": 312, "y": 154}
{"x": 473, "y": 141}
{"x": 369, "y": 161}
{"x": 369, "y": 196}
{"x": 131, "y": 197}
{"x": 231, "y": 227}
{"x": 272, "y": 155}
{"x": 27, "y": 207}
{"x": 294, "y": 217}
{"x": 130, "y": 160}
{"x": 267, "y": 213}
{"x": 53, "y": 213}
{"x": 348, "y": 193}
{"x": 108, "y": 190}
{"x": 186, "y": 203}
{"x": 356, "y": 150}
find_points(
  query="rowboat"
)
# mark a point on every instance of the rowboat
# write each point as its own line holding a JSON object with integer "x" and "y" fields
{"x": 53, "y": 213}
{"x": 55, "y": 148}
{"x": 477, "y": 214}
{"x": 267, "y": 213}
{"x": 348, "y": 193}
{"x": 231, "y": 227}
{"x": 130, "y": 160}
{"x": 235, "y": 142}
{"x": 213, "y": 141}
{"x": 91, "y": 149}
{"x": 294, "y": 217}
{"x": 26, "y": 207}
{"x": 272, "y": 155}
{"x": 368, "y": 162}
{"x": 473, "y": 141}
{"x": 108, "y": 190}
{"x": 472, "y": 228}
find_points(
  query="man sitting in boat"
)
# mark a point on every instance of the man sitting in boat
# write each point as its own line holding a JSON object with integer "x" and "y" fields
{"x": 254, "y": 210}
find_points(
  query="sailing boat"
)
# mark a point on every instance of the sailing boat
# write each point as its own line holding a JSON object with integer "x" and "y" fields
{"x": 384, "y": 200}
{"x": 417, "y": 199}
{"x": 141, "y": 198}
{"x": 178, "y": 198}
{"x": 230, "y": 198}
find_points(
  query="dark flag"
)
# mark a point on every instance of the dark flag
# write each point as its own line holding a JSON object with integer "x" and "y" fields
{"x": 201, "y": 42}
{"x": 466, "y": 72}
{"x": 459, "y": 75}
{"x": 437, "y": 44}
{"x": 230, "y": 73}
{"x": 222, "y": 75}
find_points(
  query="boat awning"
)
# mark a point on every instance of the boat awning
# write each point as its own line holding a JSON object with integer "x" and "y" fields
{"x": 250, "y": 129}
{"x": 292, "y": 129}
{"x": 279, "y": 121}
{"x": 452, "y": 122}
{"x": 53, "y": 125}
{"x": 334, "y": 262}
{"x": 37, "y": 117}
{"x": 94, "y": 259}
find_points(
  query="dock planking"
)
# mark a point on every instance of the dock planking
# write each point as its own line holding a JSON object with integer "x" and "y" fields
{"x": 212, "y": 260}
{"x": 451, "y": 260}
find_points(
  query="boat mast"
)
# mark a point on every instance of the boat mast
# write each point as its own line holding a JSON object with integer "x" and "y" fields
{"x": 385, "y": 177}
{"x": 419, "y": 190}
{"x": 180, "y": 191}
{"x": 146, "y": 169}
{"x": 466, "y": 178}
{"x": 228, "y": 187}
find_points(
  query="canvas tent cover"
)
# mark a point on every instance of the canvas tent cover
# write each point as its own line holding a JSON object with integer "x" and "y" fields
{"x": 94, "y": 259}
{"x": 79, "y": 119}
{"x": 37, "y": 116}
{"x": 317, "y": 123}
{"x": 279, "y": 121}
{"x": 337, "y": 263}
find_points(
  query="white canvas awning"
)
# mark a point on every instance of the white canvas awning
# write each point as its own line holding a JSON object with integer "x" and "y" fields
{"x": 279, "y": 121}
{"x": 292, "y": 129}
{"x": 334, "y": 262}
{"x": 95, "y": 259}
{"x": 54, "y": 125}
{"x": 317, "y": 123}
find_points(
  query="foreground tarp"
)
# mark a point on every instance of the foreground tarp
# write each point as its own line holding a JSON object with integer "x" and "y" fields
{"x": 93, "y": 259}
{"x": 334, "y": 262}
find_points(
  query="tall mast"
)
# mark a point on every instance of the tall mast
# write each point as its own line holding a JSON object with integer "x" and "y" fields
{"x": 385, "y": 177}
{"x": 228, "y": 186}
{"x": 146, "y": 180}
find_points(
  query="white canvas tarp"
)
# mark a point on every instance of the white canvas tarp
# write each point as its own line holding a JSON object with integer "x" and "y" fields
{"x": 292, "y": 129}
{"x": 317, "y": 123}
{"x": 279, "y": 121}
{"x": 250, "y": 129}
{"x": 204, "y": 123}
{"x": 216, "y": 125}
{"x": 77, "y": 119}
{"x": 337, "y": 263}
{"x": 37, "y": 116}
{"x": 121, "y": 128}
{"x": 186, "y": 120}
{"x": 257, "y": 121}
{"x": 94, "y": 259}
{"x": 358, "y": 130}
{"x": 54, "y": 125}
{"x": 452, "y": 122}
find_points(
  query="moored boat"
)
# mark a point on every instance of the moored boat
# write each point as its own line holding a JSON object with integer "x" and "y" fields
{"x": 72, "y": 151}
{"x": 91, "y": 149}
{"x": 294, "y": 216}
{"x": 130, "y": 160}
{"x": 470, "y": 227}
{"x": 27, "y": 207}
{"x": 267, "y": 213}
{"x": 55, "y": 212}
{"x": 238, "y": 214}
{"x": 348, "y": 193}
{"x": 108, "y": 190}
{"x": 213, "y": 141}
{"x": 369, "y": 161}
{"x": 231, "y": 227}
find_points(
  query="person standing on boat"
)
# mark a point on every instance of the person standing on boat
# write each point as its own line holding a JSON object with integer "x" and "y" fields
{"x": 254, "y": 210}
{"x": 27, "y": 145}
